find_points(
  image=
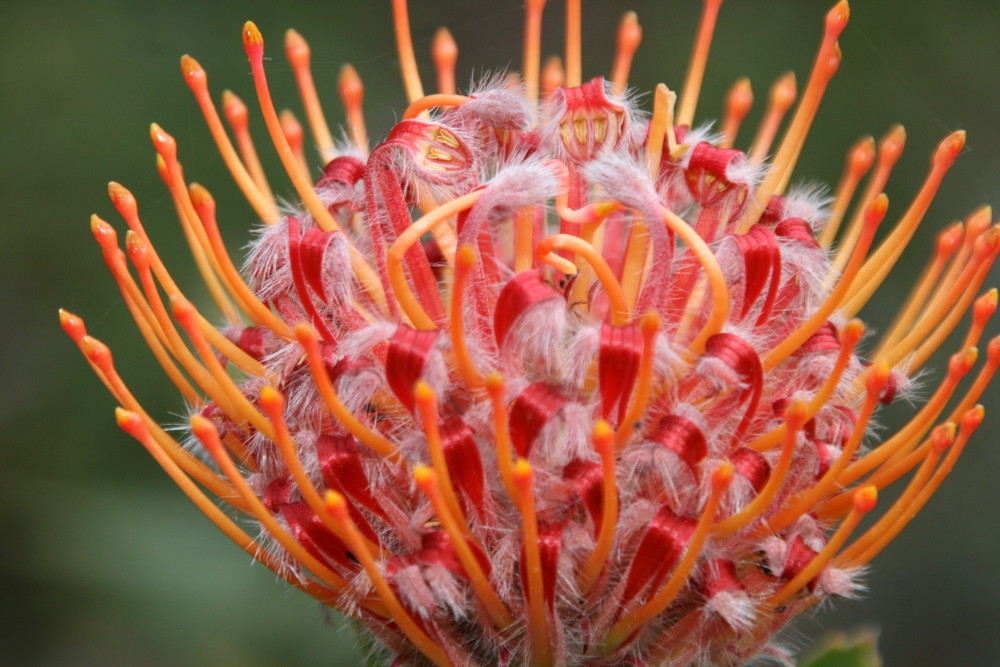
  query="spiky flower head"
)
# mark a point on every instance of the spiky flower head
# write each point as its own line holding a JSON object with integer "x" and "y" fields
{"x": 544, "y": 378}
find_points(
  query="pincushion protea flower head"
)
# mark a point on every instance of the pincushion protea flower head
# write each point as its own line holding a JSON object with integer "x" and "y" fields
{"x": 544, "y": 378}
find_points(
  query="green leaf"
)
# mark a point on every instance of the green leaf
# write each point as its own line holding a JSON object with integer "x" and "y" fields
{"x": 857, "y": 649}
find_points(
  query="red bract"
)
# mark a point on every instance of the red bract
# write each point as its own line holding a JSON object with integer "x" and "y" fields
{"x": 547, "y": 379}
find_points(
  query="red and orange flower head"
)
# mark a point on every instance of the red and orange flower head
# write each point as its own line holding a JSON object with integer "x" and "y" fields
{"x": 543, "y": 378}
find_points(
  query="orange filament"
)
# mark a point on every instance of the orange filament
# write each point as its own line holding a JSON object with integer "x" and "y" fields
{"x": 408, "y": 302}
{"x": 864, "y": 502}
{"x": 934, "y": 320}
{"x": 946, "y": 326}
{"x": 298, "y": 55}
{"x": 99, "y": 356}
{"x": 796, "y": 415}
{"x": 722, "y": 477}
{"x": 133, "y": 424}
{"x": 787, "y": 347}
{"x": 260, "y": 314}
{"x": 948, "y": 241}
{"x": 184, "y": 313}
{"x": 148, "y": 326}
{"x": 352, "y": 95}
{"x": 716, "y": 280}
{"x": 920, "y": 488}
{"x": 699, "y": 58}
{"x": 444, "y": 53}
{"x": 958, "y": 366}
{"x": 426, "y": 402}
{"x": 404, "y": 48}
{"x": 166, "y": 148}
{"x": 882, "y": 260}
{"x": 505, "y": 452}
{"x": 649, "y": 325}
{"x": 603, "y": 438}
{"x": 739, "y": 101}
{"x": 250, "y": 179}
{"x": 859, "y": 160}
{"x": 465, "y": 259}
{"x": 899, "y": 464}
{"x": 659, "y": 125}
{"x": 532, "y": 47}
{"x": 970, "y": 422}
{"x": 237, "y": 116}
{"x": 307, "y": 337}
{"x": 939, "y": 439}
{"x": 982, "y": 311}
{"x": 826, "y": 64}
{"x": 427, "y": 481}
{"x": 336, "y": 505}
{"x": 273, "y": 403}
{"x": 849, "y": 337}
{"x": 574, "y": 49}
{"x": 295, "y": 136}
{"x": 889, "y": 149}
{"x": 524, "y": 242}
{"x": 141, "y": 248}
{"x": 206, "y": 432}
{"x": 253, "y": 44}
{"x": 628, "y": 39}
{"x": 153, "y": 310}
{"x": 635, "y": 260}
{"x": 553, "y": 76}
{"x": 620, "y": 312}
{"x": 430, "y": 101}
{"x": 781, "y": 98}
{"x": 976, "y": 224}
{"x": 808, "y": 498}
{"x": 538, "y": 626}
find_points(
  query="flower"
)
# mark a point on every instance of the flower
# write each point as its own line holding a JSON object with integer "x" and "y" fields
{"x": 599, "y": 403}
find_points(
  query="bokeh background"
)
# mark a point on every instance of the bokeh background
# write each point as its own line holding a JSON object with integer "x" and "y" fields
{"x": 103, "y": 562}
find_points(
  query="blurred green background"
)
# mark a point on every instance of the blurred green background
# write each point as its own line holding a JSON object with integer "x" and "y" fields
{"x": 104, "y": 562}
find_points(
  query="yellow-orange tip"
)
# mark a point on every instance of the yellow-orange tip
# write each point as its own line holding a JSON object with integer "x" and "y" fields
{"x": 603, "y": 432}
{"x": 877, "y": 378}
{"x": 876, "y": 210}
{"x": 72, "y": 324}
{"x": 865, "y": 499}
{"x": 494, "y": 383}
{"x": 523, "y": 474}
{"x": 252, "y": 39}
{"x": 796, "y": 414}
{"x": 349, "y": 85}
{"x": 465, "y": 255}
{"x": 650, "y": 323}
{"x": 993, "y": 350}
{"x": 942, "y": 436}
{"x": 863, "y": 154}
{"x": 129, "y": 421}
{"x": 192, "y": 70}
{"x": 271, "y": 400}
{"x": 722, "y": 476}
{"x": 837, "y": 17}
{"x": 296, "y": 48}
{"x": 852, "y": 332}
{"x": 784, "y": 91}
{"x": 422, "y": 392}
{"x": 973, "y": 418}
{"x": 335, "y": 503}
{"x": 305, "y": 333}
{"x": 104, "y": 233}
{"x": 629, "y": 31}
{"x": 444, "y": 50}
{"x": 424, "y": 477}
